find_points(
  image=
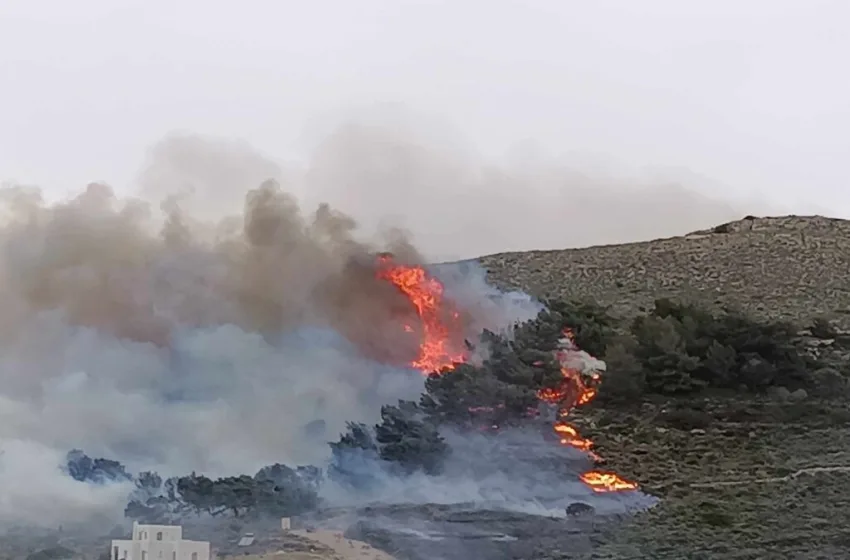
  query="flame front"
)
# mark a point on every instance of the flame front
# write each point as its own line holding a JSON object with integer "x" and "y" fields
{"x": 578, "y": 387}
{"x": 606, "y": 482}
{"x": 436, "y": 349}
{"x": 437, "y": 352}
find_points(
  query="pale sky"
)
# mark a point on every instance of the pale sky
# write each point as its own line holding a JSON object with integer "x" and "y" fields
{"x": 742, "y": 97}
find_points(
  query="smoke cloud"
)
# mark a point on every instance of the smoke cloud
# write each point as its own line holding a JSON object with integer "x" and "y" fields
{"x": 396, "y": 171}
{"x": 209, "y": 323}
{"x": 174, "y": 341}
{"x": 388, "y": 164}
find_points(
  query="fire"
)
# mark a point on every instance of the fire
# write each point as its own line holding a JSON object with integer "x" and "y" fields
{"x": 579, "y": 387}
{"x": 438, "y": 353}
{"x": 437, "y": 349}
{"x": 570, "y": 436}
{"x": 606, "y": 482}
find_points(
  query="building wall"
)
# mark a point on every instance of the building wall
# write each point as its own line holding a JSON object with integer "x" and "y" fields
{"x": 122, "y": 549}
{"x": 159, "y": 542}
{"x": 190, "y": 548}
{"x": 157, "y": 532}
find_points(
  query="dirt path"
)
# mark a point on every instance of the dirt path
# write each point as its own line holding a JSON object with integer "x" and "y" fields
{"x": 345, "y": 549}
{"x": 330, "y": 545}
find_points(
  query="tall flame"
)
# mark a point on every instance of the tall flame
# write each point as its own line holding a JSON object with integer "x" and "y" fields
{"x": 438, "y": 353}
{"x": 437, "y": 350}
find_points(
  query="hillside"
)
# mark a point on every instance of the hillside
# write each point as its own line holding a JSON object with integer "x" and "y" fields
{"x": 793, "y": 267}
{"x": 740, "y": 475}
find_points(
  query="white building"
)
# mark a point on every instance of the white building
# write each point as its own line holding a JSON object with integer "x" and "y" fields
{"x": 159, "y": 542}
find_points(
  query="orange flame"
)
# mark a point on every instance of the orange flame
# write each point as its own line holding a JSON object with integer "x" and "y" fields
{"x": 576, "y": 389}
{"x": 437, "y": 354}
{"x": 606, "y": 482}
{"x": 570, "y": 436}
{"x": 436, "y": 351}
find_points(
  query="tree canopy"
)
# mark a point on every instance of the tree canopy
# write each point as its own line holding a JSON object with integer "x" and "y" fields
{"x": 671, "y": 349}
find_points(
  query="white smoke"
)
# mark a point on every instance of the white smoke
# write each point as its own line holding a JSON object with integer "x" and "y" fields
{"x": 173, "y": 343}
{"x": 211, "y": 324}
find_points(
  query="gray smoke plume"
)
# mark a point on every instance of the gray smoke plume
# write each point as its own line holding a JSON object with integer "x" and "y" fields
{"x": 209, "y": 323}
{"x": 391, "y": 168}
{"x": 177, "y": 342}
{"x": 389, "y": 164}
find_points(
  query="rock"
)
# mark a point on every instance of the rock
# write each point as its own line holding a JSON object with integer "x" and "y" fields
{"x": 779, "y": 393}
{"x": 829, "y": 382}
{"x": 798, "y": 395}
{"x": 698, "y": 432}
{"x": 577, "y": 509}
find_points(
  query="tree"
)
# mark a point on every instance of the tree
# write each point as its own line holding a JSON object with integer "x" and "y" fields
{"x": 355, "y": 462}
{"x": 683, "y": 349}
{"x": 410, "y": 440}
{"x": 284, "y": 491}
{"x": 83, "y": 468}
{"x": 197, "y": 491}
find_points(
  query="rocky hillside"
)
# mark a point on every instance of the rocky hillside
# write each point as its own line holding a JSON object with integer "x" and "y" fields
{"x": 740, "y": 475}
{"x": 793, "y": 267}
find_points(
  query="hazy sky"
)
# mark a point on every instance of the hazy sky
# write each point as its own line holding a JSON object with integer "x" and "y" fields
{"x": 743, "y": 96}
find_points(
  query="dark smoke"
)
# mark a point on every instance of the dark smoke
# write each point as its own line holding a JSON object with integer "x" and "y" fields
{"x": 209, "y": 323}
{"x": 176, "y": 343}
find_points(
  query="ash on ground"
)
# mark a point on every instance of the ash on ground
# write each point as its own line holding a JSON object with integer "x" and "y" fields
{"x": 470, "y": 531}
{"x": 525, "y": 501}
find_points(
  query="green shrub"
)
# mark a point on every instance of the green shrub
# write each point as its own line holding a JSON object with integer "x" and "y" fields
{"x": 684, "y": 349}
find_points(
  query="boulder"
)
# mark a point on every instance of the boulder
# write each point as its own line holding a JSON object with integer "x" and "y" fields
{"x": 580, "y": 509}
{"x": 798, "y": 395}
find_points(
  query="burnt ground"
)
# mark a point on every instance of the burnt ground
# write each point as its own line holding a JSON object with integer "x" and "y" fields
{"x": 460, "y": 533}
{"x": 739, "y": 478}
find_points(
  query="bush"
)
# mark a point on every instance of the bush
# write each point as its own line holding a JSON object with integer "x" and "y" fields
{"x": 625, "y": 379}
{"x": 683, "y": 349}
{"x": 669, "y": 350}
{"x": 686, "y": 419}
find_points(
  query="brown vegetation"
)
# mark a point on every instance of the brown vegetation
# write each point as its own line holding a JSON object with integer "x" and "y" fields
{"x": 689, "y": 450}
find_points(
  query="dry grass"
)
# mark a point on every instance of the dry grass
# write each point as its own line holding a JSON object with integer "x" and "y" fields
{"x": 794, "y": 268}
{"x": 790, "y": 267}
{"x": 329, "y": 545}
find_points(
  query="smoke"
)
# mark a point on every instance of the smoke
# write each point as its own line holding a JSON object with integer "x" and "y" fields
{"x": 210, "y": 323}
{"x": 517, "y": 469}
{"x": 394, "y": 165}
{"x": 179, "y": 342}
{"x": 392, "y": 168}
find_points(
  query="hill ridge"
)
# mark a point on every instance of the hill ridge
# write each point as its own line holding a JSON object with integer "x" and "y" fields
{"x": 789, "y": 267}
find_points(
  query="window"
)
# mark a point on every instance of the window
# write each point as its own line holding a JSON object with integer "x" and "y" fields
{"x": 159, "y": 536}
{"x": 174, "y": 555}
{"x": 115, "y": 553}
{"x": 194, "y": 556}
{"x": 144, "y": 555}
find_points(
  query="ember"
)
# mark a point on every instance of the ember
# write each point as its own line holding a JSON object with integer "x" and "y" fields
{"x": 438, "y": 319}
